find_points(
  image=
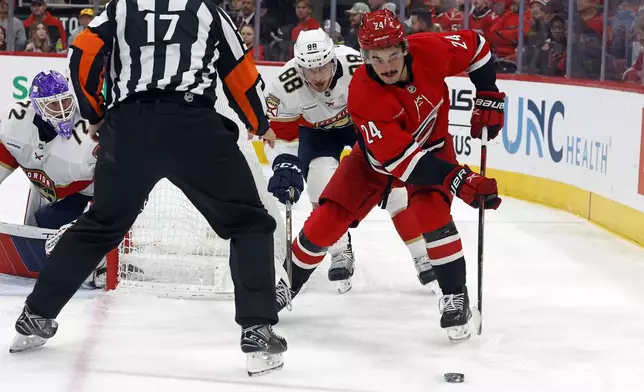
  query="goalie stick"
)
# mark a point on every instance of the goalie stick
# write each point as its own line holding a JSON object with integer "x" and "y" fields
{"x": 481, "y": 232}
{"x": 289, "y": 241}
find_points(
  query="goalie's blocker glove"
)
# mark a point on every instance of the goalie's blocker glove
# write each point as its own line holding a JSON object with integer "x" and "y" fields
{"x": 469, "y": 187}
{"x": 286, "y": 173}
{"x": 488, "y": 112}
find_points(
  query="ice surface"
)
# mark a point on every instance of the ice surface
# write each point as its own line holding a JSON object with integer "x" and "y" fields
{"x": 563, "y": 312}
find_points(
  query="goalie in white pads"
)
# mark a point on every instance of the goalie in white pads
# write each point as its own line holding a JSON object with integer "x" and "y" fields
{"x": 46, "y": 139}
{"x": 307, "y": 107}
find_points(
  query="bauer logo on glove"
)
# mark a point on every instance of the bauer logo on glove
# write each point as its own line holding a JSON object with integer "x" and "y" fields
{"x": 488, "y": 112}
{"x": 486, "y": 103}
{"x": 469, "y": 187}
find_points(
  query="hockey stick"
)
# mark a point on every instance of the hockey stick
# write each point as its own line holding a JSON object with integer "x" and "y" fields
{"x": 289, "y": 248}
{"x": 481, "y": 231}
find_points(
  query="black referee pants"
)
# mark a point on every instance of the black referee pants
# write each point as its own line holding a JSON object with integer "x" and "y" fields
{"x": 142, "y": 143}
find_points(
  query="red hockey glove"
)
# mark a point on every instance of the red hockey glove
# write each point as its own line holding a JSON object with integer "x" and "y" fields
{"x": 488, "y": 112}
{"x": 469, "y": 187}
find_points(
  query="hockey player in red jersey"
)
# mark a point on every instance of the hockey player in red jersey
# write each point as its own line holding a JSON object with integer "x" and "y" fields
{"x": 399, "y": 102}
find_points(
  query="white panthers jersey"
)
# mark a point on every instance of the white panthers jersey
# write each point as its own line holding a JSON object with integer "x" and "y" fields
{"x": 289, "y": 97}
{"x": 58, "y": 168}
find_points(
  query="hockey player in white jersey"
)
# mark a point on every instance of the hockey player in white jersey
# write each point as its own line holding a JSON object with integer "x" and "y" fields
{"x": 307, "y": 108}
{"x": 46, "y": 139}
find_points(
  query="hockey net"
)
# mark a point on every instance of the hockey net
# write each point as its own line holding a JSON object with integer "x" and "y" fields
{"x": 171, "y": 250}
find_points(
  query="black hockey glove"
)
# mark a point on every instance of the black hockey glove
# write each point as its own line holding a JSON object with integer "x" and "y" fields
{"x": 286, "y": 173}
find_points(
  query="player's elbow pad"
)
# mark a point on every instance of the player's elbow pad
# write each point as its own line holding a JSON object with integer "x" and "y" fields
{"x": 430, "y": 171}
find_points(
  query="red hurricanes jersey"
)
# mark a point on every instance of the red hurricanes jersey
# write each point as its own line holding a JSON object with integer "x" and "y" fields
{"x": 482, "y": 22}
{"x": 400, "y": 123}
{"x": 450, "y": 20}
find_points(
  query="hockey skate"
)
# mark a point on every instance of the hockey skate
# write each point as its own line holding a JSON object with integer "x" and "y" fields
{"x": 263, "y": 349}
{"x": 32, "y": 331}
{"x": 284, "y": 294}
{"x": 426, "y": 274}
{"x": 456, "y": 315}
{"x": 341, "y": 270}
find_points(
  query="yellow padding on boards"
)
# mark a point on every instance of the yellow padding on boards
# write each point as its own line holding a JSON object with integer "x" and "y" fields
{"x": 617, "y": 218}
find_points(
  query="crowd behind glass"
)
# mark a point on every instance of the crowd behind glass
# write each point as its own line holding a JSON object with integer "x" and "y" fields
{"x": 588, "y": 39}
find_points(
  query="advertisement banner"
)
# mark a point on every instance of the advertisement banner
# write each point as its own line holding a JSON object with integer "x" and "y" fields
{"x": 587, "y": 137}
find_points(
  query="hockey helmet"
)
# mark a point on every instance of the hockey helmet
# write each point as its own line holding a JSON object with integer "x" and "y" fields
{"x": 380, "y": 29}
{"x": 53, "y": 101}
{"x": 313, "y": 49}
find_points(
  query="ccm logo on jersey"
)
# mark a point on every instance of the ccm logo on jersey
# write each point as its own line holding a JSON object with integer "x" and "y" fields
{"x": 487, "y": 103}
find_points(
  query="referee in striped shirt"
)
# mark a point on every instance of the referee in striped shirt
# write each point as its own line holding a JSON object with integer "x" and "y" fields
{"x": 160, "y": 61}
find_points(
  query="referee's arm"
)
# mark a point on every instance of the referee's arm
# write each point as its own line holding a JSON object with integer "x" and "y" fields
{"x": 242, "y": 82}
{"x": 86, "y": 57}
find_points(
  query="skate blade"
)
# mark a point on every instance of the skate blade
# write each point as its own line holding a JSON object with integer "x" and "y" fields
{"x": 343, "y": 285}
{"x": 459, "y": 333}
{"x": 261, "y": 363}
{"x": 434, "y": 288}
{"x": 475, "y": 320}
{"x": 23, "y": 342}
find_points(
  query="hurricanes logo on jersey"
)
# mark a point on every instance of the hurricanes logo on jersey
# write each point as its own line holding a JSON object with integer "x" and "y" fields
{"x": 43, "y": 183}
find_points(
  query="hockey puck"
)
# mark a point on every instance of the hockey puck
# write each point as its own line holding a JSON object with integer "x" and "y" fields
{"x": 454, "y": 377}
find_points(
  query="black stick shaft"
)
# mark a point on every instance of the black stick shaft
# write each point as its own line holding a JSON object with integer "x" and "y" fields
{"x": 481, "y": 230}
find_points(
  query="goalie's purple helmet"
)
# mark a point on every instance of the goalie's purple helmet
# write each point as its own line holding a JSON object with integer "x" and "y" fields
{"x": 53, "y": 101}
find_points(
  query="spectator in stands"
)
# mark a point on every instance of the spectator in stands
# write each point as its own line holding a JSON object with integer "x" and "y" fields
{"x": 481, "y": 17}
{"x": 382, "y": 4}
{"x": 499, "y": 8}
{"x": 39, "y": 40}
{"x": 537, "y": 35}
{"x": 622, "y": 33}
{"x": 3, "y": 35}
{"x": 303, "y": 10}
{"x": 590, "y": 12}
{"x": 421, "y": 20}
{"x": 336, "y": 34}
{"x": 634, "y": 73}
{"x": 56, "y": 31}
{"x": 550, "y": 61}
{"x": 504, "y": 35}
{"x": 247, "y": 13}
{"x": 84, "y": 18}
{"x": 235, "y": 11}
{"x": 269, "y": 28}
{"x": 247, "y": 33}
{"x": 555, "y": 7}
{"x": 20, "y": 38}
{"x": 448, "y": 17}
{"x": 355, "y": 17}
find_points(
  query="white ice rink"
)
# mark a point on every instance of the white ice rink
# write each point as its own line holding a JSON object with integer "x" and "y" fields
{"x": 563, "y": 311}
